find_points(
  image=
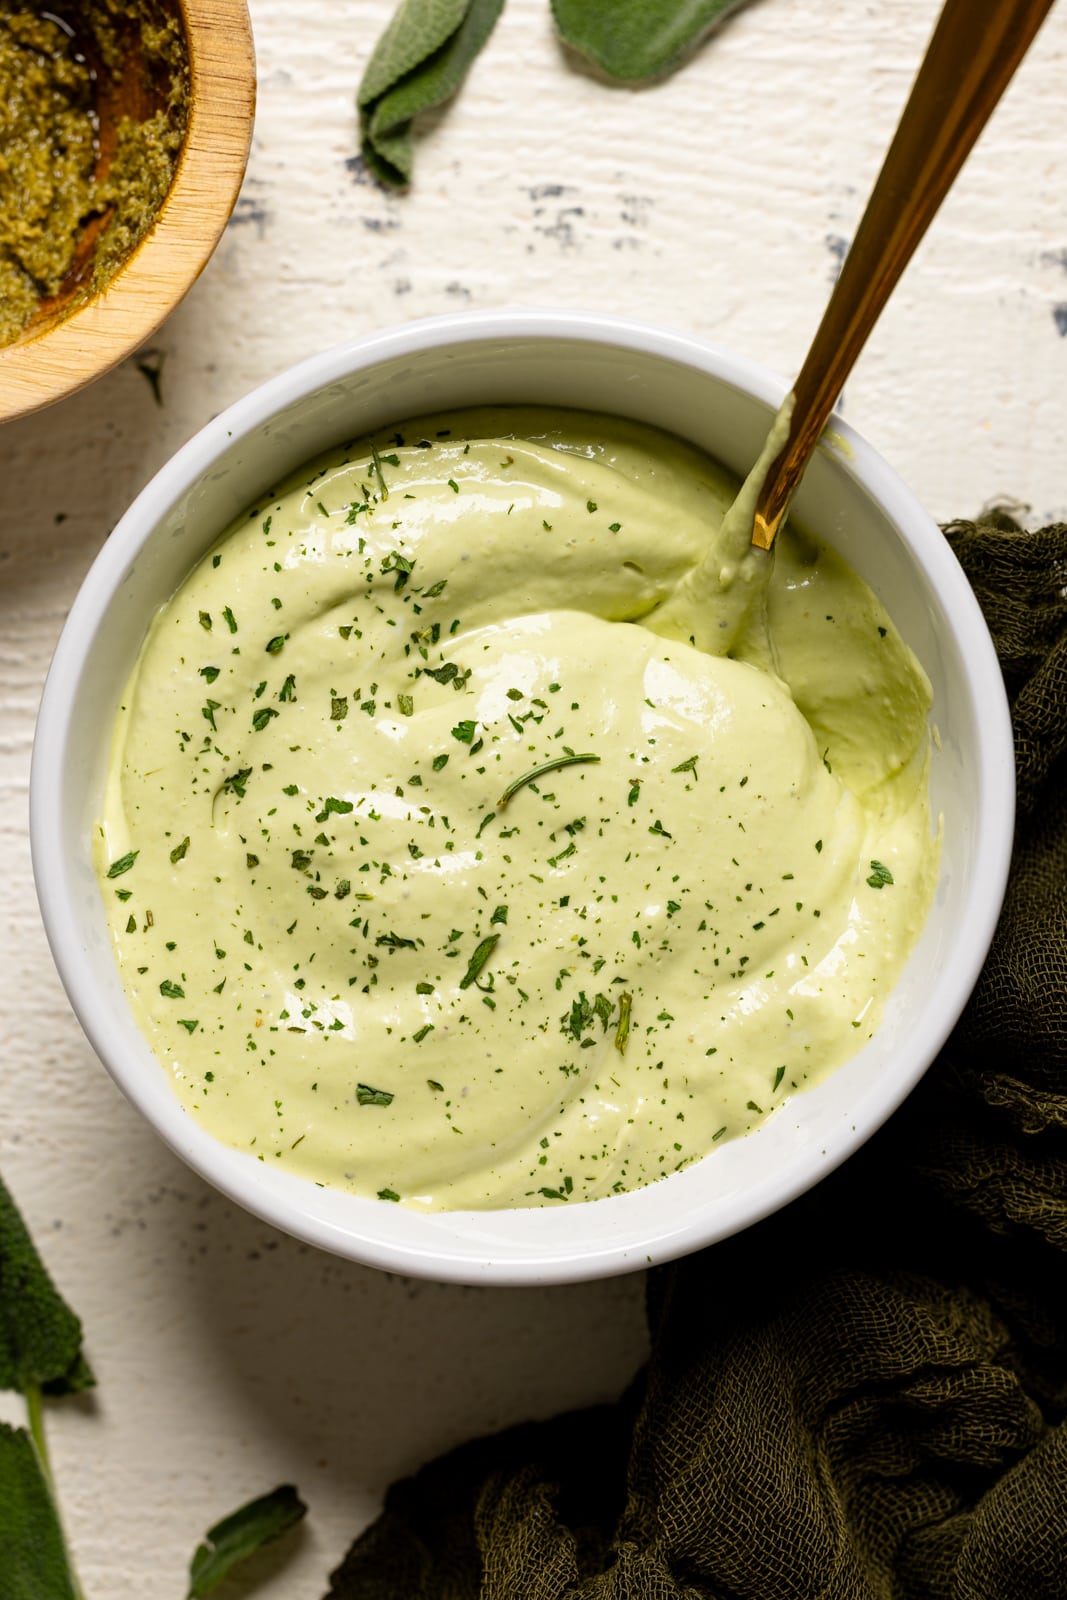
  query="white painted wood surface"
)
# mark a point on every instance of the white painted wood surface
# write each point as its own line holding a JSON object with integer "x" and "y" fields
{"x": 230, "y": 1358}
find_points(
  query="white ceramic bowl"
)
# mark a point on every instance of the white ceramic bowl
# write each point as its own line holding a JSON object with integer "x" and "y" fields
{"x": 723, "y": 404}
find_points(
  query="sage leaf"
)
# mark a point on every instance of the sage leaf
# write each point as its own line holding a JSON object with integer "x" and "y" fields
{"x": 33, "y": 1556}
{"x": 240, "y": 1535}
{"x": 40, "y": 1336}
{"x": 634, "y": 40}
{"x": 418, "y": 63}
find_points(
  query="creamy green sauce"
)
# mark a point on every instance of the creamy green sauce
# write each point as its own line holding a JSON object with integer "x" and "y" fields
{"x": 442, "y": 867}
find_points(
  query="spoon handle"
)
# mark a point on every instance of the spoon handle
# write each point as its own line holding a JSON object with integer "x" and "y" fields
{"x": 975, "y": 49}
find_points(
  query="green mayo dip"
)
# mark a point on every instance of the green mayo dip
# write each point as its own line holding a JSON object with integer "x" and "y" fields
{"x": 442, "y": 867}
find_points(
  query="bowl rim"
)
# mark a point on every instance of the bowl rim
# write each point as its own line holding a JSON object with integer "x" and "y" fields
{"x": 61, "y": 357}
{"x": 222, "y": 1166}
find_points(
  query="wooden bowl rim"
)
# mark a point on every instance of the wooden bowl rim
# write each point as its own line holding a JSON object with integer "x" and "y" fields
{"x": 70, "y": 353}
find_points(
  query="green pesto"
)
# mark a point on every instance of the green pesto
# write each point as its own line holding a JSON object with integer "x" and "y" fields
{"x": 54, "y": 183}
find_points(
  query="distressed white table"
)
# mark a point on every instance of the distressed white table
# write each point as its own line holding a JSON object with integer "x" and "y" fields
{"x": 230, "y": 1358}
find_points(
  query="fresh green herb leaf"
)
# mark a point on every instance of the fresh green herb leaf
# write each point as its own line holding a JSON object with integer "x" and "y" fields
{"x": 180, "y": 850}
{"x": 464, "y": 732}
{"x": 240, "y": 1535}
{"x": 171, "y": 991}
{"x": 262, "y": 717}
{"x": 35, "y": 1561}
{"x": 636, "y": 40}
{"x": 40, "y": 1336}
{"x": 880, "y": 875}
{"x": 210, "y": 673}
{"x": 276, "y": 644}
{"x": 231, "y": 620}
{"x": 419, "y": 62}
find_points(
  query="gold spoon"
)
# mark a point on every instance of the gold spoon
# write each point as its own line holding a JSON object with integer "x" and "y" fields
{"x": 972, "y": 56}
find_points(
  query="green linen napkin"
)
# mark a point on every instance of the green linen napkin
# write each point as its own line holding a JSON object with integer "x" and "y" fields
{"x": 862, "y": 1398}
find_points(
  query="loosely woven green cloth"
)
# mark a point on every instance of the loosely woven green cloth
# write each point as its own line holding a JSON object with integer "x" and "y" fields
{"x": 863, "y": 1397}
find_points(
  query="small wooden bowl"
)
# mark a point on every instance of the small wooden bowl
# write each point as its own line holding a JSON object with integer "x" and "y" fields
{"x": 73, "y": 340}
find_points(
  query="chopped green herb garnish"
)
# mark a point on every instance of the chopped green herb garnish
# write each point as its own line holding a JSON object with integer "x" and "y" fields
{"x": 123, "y": 864}
{"x": 366, "y": 1096}
{"x": 179, "y": 851}
{"x": 236, "y": 782}
{"x": 539, "y": 772}
{"x": 479, "y": 959}
{"x": 401, "y": 565}
{"x": 880, "y": 875}
{"x": 622, "y": 1031}
{"x": 339, "y": 808}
